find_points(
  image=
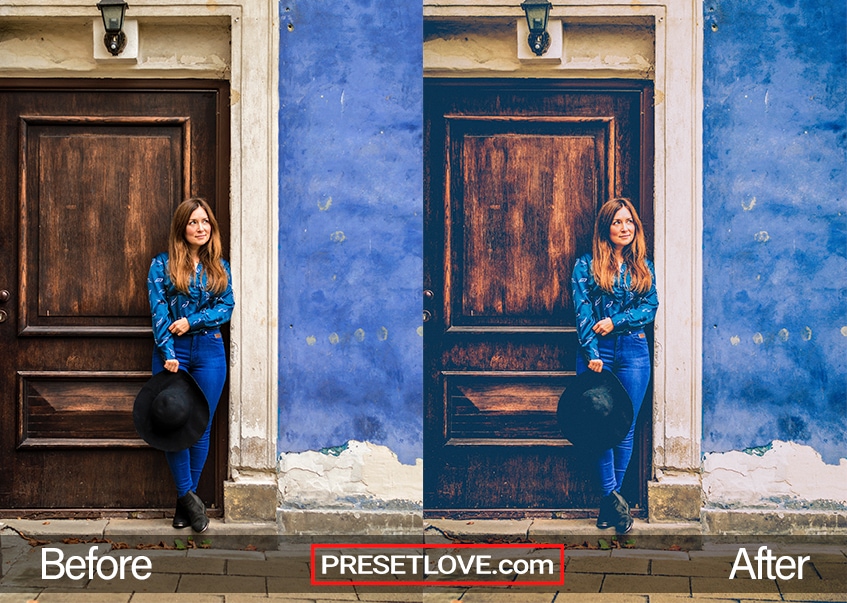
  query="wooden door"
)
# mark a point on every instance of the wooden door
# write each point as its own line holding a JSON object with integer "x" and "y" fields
{"x": 90, "y": 173}
{"x": 515, "y": 173}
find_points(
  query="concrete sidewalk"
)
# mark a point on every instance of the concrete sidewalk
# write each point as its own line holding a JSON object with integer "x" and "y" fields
{"x": 244, "y": 564}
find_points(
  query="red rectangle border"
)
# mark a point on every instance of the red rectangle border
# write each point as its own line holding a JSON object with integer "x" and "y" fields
{"x": 437, "y": 583}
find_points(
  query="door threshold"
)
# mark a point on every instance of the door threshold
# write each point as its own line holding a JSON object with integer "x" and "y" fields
{"x": 96, "y": 513}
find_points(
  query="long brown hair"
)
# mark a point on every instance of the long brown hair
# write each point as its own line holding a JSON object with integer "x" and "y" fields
{"x": 605, "y": 266}
{"x": 180, "y": 264}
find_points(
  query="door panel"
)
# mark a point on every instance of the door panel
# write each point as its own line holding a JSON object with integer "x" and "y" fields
{"x": 90, "y": 178}
{"x": 518, "y": 212}
{"x": 138, "y": 166}
{"x": 515, "y": 174}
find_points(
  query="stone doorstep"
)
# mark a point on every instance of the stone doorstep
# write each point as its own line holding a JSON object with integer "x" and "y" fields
{"x": 575, "y": 534}
{"x": 539, "y": 529}
{"x": 354, "y": 522}
{"x": 134, "y": 532}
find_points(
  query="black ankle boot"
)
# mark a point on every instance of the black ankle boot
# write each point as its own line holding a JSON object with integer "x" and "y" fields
{"x": 607, "y": 517}
{"x": 196, "y": 511}
{"x": 180, "y": 517}
{"x": 622, "y": 518}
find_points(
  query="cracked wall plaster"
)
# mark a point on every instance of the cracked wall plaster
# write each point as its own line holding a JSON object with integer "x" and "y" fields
{"x": 784, "y": 474}
{"x": 357, "y": 475}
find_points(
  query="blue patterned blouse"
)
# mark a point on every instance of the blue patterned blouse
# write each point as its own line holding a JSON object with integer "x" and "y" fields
{"x": 203, "y": 309}
{"x": 629, "y": 310}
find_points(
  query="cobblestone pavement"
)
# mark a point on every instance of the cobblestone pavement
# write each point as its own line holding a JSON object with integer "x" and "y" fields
{"x": 246, "y": 574}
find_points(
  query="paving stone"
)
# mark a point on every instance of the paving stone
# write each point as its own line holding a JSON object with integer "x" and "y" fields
{"x": 156, "y": 583}
{"x": 279, "y": 568}
{"x": 599, "y": 598}
{"x": 177, "y": 598}
{"x": 749, "y": 589}
{"x": 601, "y": 565}
{"x": 83, "y": 597}
{"x": 221, "y": 584}
{"x": 17, "y": 596}
{"x": 448, "y": 594}
{"x": 189, "y": 565}
{"x": 299, "y": 587}
{"x": 645, "y": 584}
{"x": 506, "y": 596}
{"x": 317, "y": 597}
{"x": 814, "y": 584}
{"x": 581, "y": 583}
{"x": 815, "y": 597}
{"x": 832, "y": 571}
{"x": 385, "y": 595}
{"x": 264, "y": 599}
{"x": 717, "y": 555}
{"x": 706, "y": 568}
{"x": 826, "y": 552}
{"x": 681, "y": 598}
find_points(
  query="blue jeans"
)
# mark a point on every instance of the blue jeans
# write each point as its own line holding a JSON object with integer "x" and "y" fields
{"x": 201, "y": 354}
{"x": 628, "y": 357}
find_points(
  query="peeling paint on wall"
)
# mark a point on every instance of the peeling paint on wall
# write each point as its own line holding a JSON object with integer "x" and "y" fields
{"x": 782, "y": 475}
{"x": 357, "y": 475}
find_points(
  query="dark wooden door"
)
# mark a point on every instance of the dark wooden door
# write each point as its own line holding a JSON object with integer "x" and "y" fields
{"x": 515, "y": 173}
{"x": 90, "y": 173}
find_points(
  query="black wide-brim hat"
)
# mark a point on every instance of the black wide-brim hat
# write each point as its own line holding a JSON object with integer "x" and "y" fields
{"x": 171, "y": 412}
{"x": 595, "y": 412}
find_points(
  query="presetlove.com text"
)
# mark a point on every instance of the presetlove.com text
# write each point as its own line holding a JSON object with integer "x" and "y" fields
{"x": 453, "y": 564}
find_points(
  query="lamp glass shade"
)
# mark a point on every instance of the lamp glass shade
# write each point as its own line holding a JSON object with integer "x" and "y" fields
{"x": 113, "y": 15}
{"x": 536, "y": 15}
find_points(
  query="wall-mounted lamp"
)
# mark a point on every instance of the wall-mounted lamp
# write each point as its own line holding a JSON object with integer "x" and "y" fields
{"x": 113, "y": 12}
{"x": 536, "y": 19}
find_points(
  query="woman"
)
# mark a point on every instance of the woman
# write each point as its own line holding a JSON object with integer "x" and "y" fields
{"x": 190, "y": 291}
{"x": 614, "y": 293}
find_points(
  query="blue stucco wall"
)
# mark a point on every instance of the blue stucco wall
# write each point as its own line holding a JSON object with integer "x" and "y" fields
{"x": 775, "y": 231}
{"x": 350, "y": 225}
